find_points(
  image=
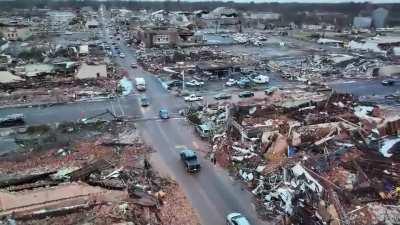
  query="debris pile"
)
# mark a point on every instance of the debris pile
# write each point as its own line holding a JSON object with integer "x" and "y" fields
{"x": 320, "y": 67}
{"x": 331, "y": 161}
{"x": 105, "y": 179}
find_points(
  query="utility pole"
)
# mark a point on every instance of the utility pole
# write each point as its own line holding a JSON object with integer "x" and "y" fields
{"x": 183, "y": 80}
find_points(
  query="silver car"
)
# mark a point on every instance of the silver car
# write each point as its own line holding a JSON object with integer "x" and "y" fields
{"x": 236, "y": 219}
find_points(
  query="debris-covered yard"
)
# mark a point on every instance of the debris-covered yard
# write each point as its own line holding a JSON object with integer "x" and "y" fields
{"x": 311, "y": 159}
{"x": 103, "y": 178}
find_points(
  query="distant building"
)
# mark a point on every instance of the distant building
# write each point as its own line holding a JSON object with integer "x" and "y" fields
{"x": 260, "y": 19}
{"x": 157, "y": 36}
{"x": 59, "y": 20}
{"x": 165, "y": 36}
{"x": 15, "y": 30}
{"x": 223, "y": 18}
{"x": 360, "y": 22}
{"x": 379, "y": 16}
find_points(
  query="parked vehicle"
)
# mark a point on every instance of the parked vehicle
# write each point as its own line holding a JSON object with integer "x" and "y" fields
{"x": 231, "y": 82}
{"x": 164, "y": 114}
{"x": 236, "y": 219}
{"x": 221, "y": 96}
{"x": 144, "y": 101}
{"x": 174, "y": 83}
{"x": 194, "y": 83}
{"x": 189, "y": 159}
{"x": 246, "y": 94}
{"x": 260, "y": 79}
{"x": 121, "y": 55}
{"x": 193, "y": 98}
{"x": 12, "y": 120}
{"x": 244, "y": 82}
{"x": 140, "y": 84}
{"x": 388, "y": 82}
{"x": 203, "y": 130}
{"x": 134, "y": 65}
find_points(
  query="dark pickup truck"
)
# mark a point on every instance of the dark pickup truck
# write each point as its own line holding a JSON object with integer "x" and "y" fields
{"x": 189, "y": 158}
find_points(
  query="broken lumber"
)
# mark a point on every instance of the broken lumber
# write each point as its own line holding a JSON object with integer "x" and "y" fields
{"x": 83, "y": 172}
{"x": 108, "y": 184}
{"x": 40, "y": 214}
{"x": 142, "y": 198}
{"x": 30, "y": 186}
{"x": 18, "y": 180}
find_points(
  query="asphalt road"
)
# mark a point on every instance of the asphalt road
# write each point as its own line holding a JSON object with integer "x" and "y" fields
{"x": 212, "y": 192}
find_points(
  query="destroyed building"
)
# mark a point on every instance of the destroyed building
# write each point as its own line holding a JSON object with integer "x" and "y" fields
{"x": 314, "y": 162}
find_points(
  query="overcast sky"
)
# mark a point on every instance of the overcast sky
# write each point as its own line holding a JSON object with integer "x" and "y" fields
{"x": 284, "y": 1}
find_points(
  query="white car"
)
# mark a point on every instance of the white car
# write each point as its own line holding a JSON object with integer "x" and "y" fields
{"x": 231, "y": 82}
{"x": 194, "y": 83}
{"x": 236, "y": 219}
{"x": 193, "y": 98}
{"x": 260, "y": 79}
{"x": 122, "y": 55}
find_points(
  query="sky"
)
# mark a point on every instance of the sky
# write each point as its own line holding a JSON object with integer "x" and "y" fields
{"x": 283, "y": 1}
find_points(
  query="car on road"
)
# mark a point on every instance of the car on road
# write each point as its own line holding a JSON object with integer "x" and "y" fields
{"x": 122, "y": 55}
{"x": 164, "y": 114}
{"x": 222, "y": 96}
{"x": 190, "y": 161}
{"x": 236, "y": 219}
{"x": 194, "y": 83}
{"x": 193, "y": 98}
{"x": 246, "y": 94}
{"x": 388, "y": 82}
{"x": 144, "y": 101}
{"x": 231, "y": 82}
{"x": 134, "y": 65}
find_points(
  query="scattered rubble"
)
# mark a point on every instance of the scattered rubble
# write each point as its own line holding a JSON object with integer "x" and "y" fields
{"x": 101, "y": 179}
{"x": 327, "y": 161}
